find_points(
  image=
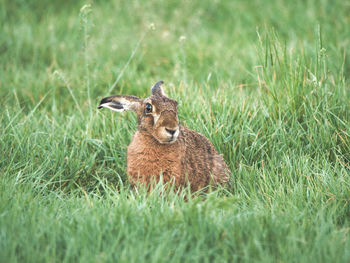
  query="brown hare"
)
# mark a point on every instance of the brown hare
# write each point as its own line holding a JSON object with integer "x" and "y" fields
{"x": 161, "y": 146}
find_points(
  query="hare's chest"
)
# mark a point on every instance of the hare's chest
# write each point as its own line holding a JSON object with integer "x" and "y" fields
{"x": 145, "y": 164}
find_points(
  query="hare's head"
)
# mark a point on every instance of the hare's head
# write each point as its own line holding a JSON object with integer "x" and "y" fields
{"x": 157, "y": 114}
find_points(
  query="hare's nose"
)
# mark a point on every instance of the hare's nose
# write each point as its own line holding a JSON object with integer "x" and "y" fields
{"x": 171, "y": 132}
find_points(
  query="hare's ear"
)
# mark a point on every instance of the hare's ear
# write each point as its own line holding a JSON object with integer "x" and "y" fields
{"x": 157, "y": 89}
{"x": 121, "y": 103}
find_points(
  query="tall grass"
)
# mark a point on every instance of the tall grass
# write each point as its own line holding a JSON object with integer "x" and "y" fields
{"x": 266, "y": 82}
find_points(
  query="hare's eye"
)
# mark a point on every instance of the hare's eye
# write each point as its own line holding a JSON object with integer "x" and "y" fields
{"x": 148, "y": 108}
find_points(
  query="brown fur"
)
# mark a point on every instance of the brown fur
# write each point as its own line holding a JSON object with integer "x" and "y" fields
{"x": 182, "y": 158}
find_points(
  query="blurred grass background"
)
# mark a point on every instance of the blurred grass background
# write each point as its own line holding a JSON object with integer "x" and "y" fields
{"x": 265, "y": 81}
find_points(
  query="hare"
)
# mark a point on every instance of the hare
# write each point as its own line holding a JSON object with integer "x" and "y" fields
{"x": 161, "y": 146}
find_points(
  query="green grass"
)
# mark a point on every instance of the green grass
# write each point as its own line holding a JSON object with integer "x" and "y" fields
{"x": 265, "y": 81}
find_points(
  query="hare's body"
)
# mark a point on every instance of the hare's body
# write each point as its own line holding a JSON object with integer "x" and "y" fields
{"x": 190, "y": 159}
{"x": 162, "y": 147}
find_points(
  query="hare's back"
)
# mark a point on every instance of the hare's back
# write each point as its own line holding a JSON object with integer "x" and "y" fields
{"x": 201, "y": 162}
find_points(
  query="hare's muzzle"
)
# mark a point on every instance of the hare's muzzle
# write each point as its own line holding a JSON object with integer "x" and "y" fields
{"x": 170, "y": 131}
{"x": 171, "y": 134}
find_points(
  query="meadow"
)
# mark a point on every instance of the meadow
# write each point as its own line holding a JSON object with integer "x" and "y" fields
{"x": 266, "y": 81}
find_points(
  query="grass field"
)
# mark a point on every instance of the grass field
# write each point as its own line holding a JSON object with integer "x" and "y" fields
{"x": 266, "y": 81}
